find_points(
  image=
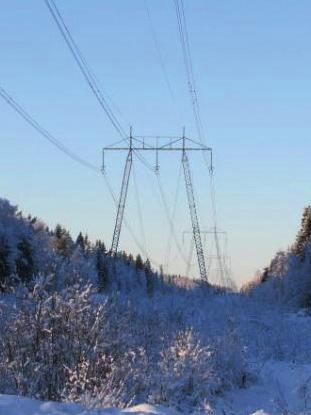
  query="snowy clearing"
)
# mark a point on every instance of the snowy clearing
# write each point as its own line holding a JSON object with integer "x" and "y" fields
{"x": 80, "y": 326}
{"x": 282, "y": 388}
{"x": 15, "y": 405}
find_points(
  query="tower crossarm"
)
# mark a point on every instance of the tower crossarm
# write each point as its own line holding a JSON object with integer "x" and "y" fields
{"x": 158, "y": 144}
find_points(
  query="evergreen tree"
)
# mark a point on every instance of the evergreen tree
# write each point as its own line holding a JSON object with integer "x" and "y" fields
{"x": 101, "y": 246}
{"x": 102, "y": 270}
{"x": 62, "y": 241}
{"x": 304, "y": 235}
{"x": 149, "y": 278}
{"x": 58, "y": 232}
{"x": 148, "y": 266}
{"x": 25, "y": 263}
{"x": 80, "y": 241}
{"x": 161, "y": 273}
{"x": 124, "y": 257}
{"x": 139, "y": 264}
{"x": 4, "y": 262}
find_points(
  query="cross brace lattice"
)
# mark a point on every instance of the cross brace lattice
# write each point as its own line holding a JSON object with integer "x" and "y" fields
{"x": 142, "y": 143}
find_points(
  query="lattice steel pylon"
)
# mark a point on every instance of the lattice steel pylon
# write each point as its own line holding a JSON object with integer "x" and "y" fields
{"x": 194, "y": 216}
{"x": 138, "y": 144}
{"x": 221, "y": 257}
{"x": 122, "y": 200}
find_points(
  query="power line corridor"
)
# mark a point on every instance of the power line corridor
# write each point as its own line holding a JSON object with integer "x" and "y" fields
{"x": 136, "y": 146}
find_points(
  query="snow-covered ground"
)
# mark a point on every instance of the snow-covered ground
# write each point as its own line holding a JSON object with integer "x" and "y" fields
{"x": 15, "y": 405}
{"x": 108, "y": 332}
{"x": 281, "y": 388}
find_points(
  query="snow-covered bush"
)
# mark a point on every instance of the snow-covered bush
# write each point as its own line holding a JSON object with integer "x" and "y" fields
{"x": 108, "y": 379}
{"x": 107, "y": 331}
{"x": 229, "y": 360}
{"x": 45, "y": 333}
{"x": 192, "y": 373}
{"x": 73, "y": 345}
{"x": 186, "y": 378}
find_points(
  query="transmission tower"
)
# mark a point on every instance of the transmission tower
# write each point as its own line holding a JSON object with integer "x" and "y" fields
{"x": 122, "y": 199}
{"x": 221, "y": 257}
{"x": 194, "y": 217}
{"x": 139, "y": 144}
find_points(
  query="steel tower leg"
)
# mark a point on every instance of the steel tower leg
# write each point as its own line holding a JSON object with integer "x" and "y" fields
{"x": 194, "y": 217}
{"x": 122, "y": 201}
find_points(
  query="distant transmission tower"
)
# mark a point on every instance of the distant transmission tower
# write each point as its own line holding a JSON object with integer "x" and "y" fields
{"x": 221, "y": 257}
{"x": 138, "y": 144}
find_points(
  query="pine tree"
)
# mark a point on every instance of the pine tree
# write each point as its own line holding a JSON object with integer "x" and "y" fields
{"x": 139, "y": 264}
{"x": 148, "y": 266}
{"x": 304, "y": 235}
{"x": 102, "y": 270}
{"x": 25, "y": 262}
{"x": 101, "y": 246}
{"x": 58, "y": 232}
{"x": 130, "y": 259}
{"x": 149, "y": 278}
{"x": 80, "y": 241}
{"x": 4, "y": 262}
{"x": 62, "y": 241}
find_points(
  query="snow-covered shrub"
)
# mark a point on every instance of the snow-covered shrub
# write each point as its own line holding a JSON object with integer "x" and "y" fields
{"x": 229, "y": 361}
{"x": 108, "y": 379}
{"x": 46, "y": 333}
{"x": 193, "y": 373}
{"x": 133, "y": 336}
{"x": 186, "y": 375}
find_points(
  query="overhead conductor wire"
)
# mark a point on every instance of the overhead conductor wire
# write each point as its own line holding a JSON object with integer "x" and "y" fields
{"x": 69, "y": 153}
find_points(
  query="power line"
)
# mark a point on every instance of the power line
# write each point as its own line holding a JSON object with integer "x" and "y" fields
{"x": 139, "y": 209}
{"x": 140, "y": 247}
{"x": 91, "y": 80}
{"x": 190, "y": 259}
{"x": 161, "y": 59}
{"x": 143, "y": 161}
{"x": 83, "y": 65}
{"x": 183, "y": 144}
{"x": 87, "y": 72}
{"x": 44, "y": 133}
{"x": 169, "y": 241}
{"x": 71, "y": 154}
{"x": 187, "y": 58}
{"x": 170, "y": 219}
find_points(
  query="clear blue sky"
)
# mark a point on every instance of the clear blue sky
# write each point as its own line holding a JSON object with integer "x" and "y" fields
{"x": 252, "y": 65}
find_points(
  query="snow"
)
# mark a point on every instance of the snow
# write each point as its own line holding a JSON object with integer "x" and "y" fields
{"x": 150, "y": 409}
{"x": 15, "y": 405}
{"x": 281, "y": 388}
{"x": 154, "y": 339}
{"x": 260, "y": 413}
